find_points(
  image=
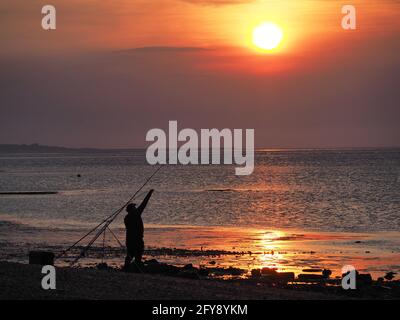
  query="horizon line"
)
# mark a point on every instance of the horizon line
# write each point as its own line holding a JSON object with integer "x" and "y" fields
{"x": 37, "y": 145}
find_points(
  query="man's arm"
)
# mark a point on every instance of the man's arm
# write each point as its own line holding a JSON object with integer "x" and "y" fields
{"x": 145, "y": 201}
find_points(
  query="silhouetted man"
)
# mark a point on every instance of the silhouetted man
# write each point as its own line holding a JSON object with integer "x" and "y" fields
{"x": 134, "y": 231}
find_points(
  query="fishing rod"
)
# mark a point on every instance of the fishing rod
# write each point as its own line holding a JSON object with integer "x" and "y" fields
{"x": 105, "y": 223}
{"x": 111, "y": 218}
{"x": 92, "y": 230}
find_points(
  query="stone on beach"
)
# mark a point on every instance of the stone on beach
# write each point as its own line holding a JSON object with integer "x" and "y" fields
{"x": 364, "y": 279}
{"x": 280, "y": 277}
{"x": 226, "y": 271}
{"x": 270, "y": 274}
{"x": 312, "y": 270}
{"x": 41, "y": 257}
{"x": 256, "y": 272}
{"x": 390, "y": 275}
{"x": 310, "y": 277}
{"x": 326, "y": 273}
{"x": 268, "y": 271}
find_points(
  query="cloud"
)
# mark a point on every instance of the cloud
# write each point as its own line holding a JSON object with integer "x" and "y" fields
{"x": 166, "y": 49}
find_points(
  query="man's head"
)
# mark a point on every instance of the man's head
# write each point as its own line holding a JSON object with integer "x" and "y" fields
{"x": 131, "y": 207}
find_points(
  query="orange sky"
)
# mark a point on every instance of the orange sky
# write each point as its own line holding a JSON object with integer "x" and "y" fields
{"x": 323, "y": 86}
{"x": 90, "y": 24}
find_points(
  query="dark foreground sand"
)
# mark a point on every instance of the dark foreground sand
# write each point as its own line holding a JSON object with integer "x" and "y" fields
{"x": 21, "y": 281}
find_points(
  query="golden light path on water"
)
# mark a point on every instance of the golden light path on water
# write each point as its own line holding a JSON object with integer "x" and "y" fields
{"x": 223, "y": 247}
{"x": 283, "y": 250}
{"x": 245, "y": 248}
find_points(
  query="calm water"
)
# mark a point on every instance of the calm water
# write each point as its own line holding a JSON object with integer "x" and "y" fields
{"x": 356, "y": 191}
{"x": 298, "y": 209}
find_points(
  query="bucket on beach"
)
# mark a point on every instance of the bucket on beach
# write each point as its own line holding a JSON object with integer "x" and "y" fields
{"x": 41, "y": 257}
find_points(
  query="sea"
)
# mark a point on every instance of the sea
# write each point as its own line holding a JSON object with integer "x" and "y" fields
{"x": 301, "y": 208}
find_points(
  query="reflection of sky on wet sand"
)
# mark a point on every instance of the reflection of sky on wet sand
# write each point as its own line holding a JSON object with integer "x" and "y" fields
{"x": 247, "y": 248}
{"x": 287, "y": 250}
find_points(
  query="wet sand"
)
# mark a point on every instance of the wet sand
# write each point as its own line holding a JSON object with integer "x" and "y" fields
{"x": 285, "y": 250}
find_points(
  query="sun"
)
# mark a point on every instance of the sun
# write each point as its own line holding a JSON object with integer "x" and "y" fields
{"x": 267, "y": 36}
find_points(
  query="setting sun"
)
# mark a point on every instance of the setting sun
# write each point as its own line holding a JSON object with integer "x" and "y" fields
{"x": 267, "y": 36}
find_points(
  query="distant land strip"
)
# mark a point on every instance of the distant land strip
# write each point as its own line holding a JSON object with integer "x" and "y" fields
{"x": 26, "y": 192}
{"x": 37, "y": 148}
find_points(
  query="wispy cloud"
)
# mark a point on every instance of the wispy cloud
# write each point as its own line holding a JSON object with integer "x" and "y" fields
{"x": 166, "y": 49}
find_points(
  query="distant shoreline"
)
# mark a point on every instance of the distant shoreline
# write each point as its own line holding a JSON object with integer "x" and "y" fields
{"x": 23, "y": 193}
{"x": 38, "y": 148}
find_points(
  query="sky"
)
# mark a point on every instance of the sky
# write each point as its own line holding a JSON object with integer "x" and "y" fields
{"x": 112, "y": 70}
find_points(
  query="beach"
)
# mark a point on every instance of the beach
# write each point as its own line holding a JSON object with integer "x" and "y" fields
{"x": 22, "y": 281}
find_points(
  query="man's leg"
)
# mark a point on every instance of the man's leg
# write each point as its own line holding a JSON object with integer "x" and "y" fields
{"x": 139, "y": 252}
{"x": 128, "y": 258}
{"x": 138, "y": 257}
